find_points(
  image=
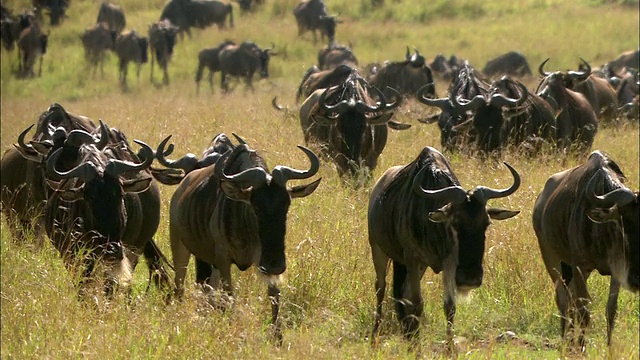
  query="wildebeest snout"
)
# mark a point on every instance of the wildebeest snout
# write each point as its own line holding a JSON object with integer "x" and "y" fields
{"x": 469, "y": 277}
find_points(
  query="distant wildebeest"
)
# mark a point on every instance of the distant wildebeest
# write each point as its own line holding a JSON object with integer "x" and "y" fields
{"x": 628, "y": 59}
{"x": 576, "y": 121}
{"x": 242, "y": 61}
{"x": 444, "y": 68}
{"x": 586, "y": 219}
{"x": 131, "y": 46}
{"x": 334, "y": 55}
{"x": 407, "y": 76}
{"x": 11, "y": 26}
{"x": 96, "y": 41}
{"x": 234, "y": 211}
{"x": 210, "y": 59}
{"x": 249, "y": 5}
{"x": 32, "y": 45}
{"x": 598, "y": 91}
{"x": 56, "y": 9}
{"x": 349, "y": 121}
{"x": 314, "y": 79}
{"x": 113, "y": 16}
{"x": 162, "y": 39}
{"x": 312, "y": 15}
{"x": 512, "y": 63}
{"x": 419, "y": 216}
{"x": 186, "y": 14}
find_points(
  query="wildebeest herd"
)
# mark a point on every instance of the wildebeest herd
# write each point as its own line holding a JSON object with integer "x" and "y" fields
{"x": 99, "y": 199}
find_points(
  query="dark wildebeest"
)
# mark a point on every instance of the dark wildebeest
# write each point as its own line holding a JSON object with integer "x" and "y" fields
{"x": 209, "y": 58}
{"x": 512, "y": 63}
{"x": 311, "y": 15}
{"x": 186, "y": 14}
{"x": 576, "y": 122}
{"x": 234, "y": 212}
{"x": 96, "y": 42}
{"x": 314, "y": 79}
{"x": 628, "y": 59}
{"x": 249, "y": 5}
{"x": 56, "y": 9}
{"x": 243, "y": 61}
{"x": 586, "y": 219}
{"x": 349, "y": 121}
{"x": 32, "y": 45}
{"x": 162, "y": 39}
{"x": 407, "y": 76}
{"x": 11, "y": 27}
{"x": 419, "y": 216}
{"x": 598, "y": 91}
{"x": 131, "y": 46}
{"x": 332, "y": 56}
{"x": 113, "y": 16}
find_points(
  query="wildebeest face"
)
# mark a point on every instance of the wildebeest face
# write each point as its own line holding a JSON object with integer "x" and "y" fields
{"x": 264, "y": 58}
{"x": 271, "y": 204}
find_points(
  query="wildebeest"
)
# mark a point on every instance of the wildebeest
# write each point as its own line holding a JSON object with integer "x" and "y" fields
{"x": 162, "y": 39}
{"x": 312, "y": 15}
{"x": 11, "y": 26}
{"x": 209, "y": 58}
{"x": 628, "y": 59}
{"x": 419, "y": 216}
{"x": 598, "y": 91}
{"x": 186, "y": 14}
{"x": 334, "y": 55}
{"x": 234, "y": 211}
{"x": 349, "y": 121}
{"x": 512, "y": 63}
{"x": 96, "y": 42}
{"x": 131, "y": 46}
{"x": 243, "y": 61}
{"x": 576, "y": 120}
{"x": 249, "y": 5}
{"x": 56, "y": 9}
{"x": 586, "y": 219}
{"x": 407, "y": 76}
{"x": 32, "y": 45}
{"x": 314, "y": 79}
{"x": 113, "y": 16}
{"x": 444, "y": 68}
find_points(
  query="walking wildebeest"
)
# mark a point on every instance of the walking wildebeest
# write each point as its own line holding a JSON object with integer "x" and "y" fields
{"x": 243, "y": 61}
{"x": 32, "y": 45}
{"x": 419, "y": 216}
{"x": 334, "y": 55}
{"x": 56, "y": 9}
{"x": 511, "y": 63}
{"x": 311, "y": 15}
{"x": 11, "y": 26}
{"x": 186, "y": 14}
{"x": 209, "y": 58}
{"x": 131, "y": 46}
{"x": 162, "y": 39}
{"x": 234, "y": 212}
{"x": 96, "y": 42}
{"x": 113, "y": 16}
{"x": 586, "y": 219}
{"x": 407, "y": 76}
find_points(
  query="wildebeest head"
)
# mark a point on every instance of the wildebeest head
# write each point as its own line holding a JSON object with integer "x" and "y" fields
{"x": 553, "y": 83}
{"x": 328, "y": 26}
{"x": 268, "y": 195}
{"x": 264, "y": 55}
{"x": 467, "y": 219}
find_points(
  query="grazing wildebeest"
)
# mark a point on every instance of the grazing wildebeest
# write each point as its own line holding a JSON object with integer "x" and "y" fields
{"x": 32, "y": 45}
{"x": 209, "y": 58}
{"x": 234, "y": 212}
{"x": 419, "y": 216}
{"x": 186, "y": 14}
{"x": 331, "y": 56}
{"x": 349, "y": 121}
{"x": 243, "y": 61}
{"x": 311, "y": 15}
{"x": 407, "y": 76}
{"x": 113, "y": 16}
{"x": 131, "y": 46}
{"x": 586, "y": 219}
{"x": 96, "y": 42}
{"x": 162, "y": 39}
{"x": 56, "y": 9}
{"x": 576, "y": 122}
{"x": 512, "y": 63}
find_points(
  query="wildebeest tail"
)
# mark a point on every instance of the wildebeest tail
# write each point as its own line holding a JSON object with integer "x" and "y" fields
{"x": 230, "y": 15}
{"x": 156, "y": 262}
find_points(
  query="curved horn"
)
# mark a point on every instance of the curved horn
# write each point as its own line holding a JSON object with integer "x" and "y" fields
{"x": 408, "y": 53}
{"x": 581, "y": 75}
{"x": 451, "y": 194}
{"x": 500, "y": 100}
{"x": 396, "y": 96}
{"x": 116, "y": 167}
{"x": 472, "y": 104}
{"x": 252, "y": 177}
{"x": 281, "y": 174}
{"x": 274, "y": 103}
{"x": 104, "y": 136}
{"x": 85, "y": 171}
{"x": 363, "y": 107}
{"x": 27, "y": 148}
{"x": 420, "y": 93}
{"x": 340, "y": 107}
{"x": 186, "y": 163}
{"x": 541, "y": 68}
{"x": 489, "y": 193}
{"x": 240, "y": 140}
{"x": 620, "y": 197}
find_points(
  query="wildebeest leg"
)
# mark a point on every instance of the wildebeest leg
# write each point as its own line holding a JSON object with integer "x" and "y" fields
{"x": 449, "y": 281}
{"x": 563, "y": 296}
{"x": 152, "y": 52}
{"x": 211, "y": 81}
{"x": 180, "y": 255}
{"x": 273, "y": 292}
{"x": 123, "y": 73}
{"x": 138, "y": 68}
{"x": 203, "y": 272}
{"x": 582, "y": 300}
{"x": 612, "y": 306}
{"x": 224, "y": 82}
{"x": 380, "y": 263}
{"x": 414, "y": 306}
{"x": 40, "y": 66}
{"x": 155, "y": 260}
{"x": 165, "y": 75}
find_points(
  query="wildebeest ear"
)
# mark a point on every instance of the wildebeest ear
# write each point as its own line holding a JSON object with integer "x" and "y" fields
{"x": 602, "y": 215}
{"x": 501, "y": 214}
{"x": 303, "y": 190}
{"x": 235, "y": 193}
{"x": 136, "y": 185}
{"x": 395, "y": 125}
{"x": 438, "y": 216}
{"x": 167, "y": 176}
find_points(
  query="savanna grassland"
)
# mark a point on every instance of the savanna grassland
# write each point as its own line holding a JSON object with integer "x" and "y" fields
{"x": 328, "y": 300}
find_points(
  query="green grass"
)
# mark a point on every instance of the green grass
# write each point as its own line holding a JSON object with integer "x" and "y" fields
{"x": 328, "y": 300}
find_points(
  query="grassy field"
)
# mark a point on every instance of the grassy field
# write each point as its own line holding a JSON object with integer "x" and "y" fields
{"x": 328, "y": 300}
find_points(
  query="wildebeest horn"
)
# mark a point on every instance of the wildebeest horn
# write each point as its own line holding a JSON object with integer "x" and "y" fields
{"x": 240, "y": 140}
{"x": 104, "y": 136}
{"x": 116, "y": 167}
{"x": 340, "y": 107}
{"x": 281, "y": 174}
{"x": 78, "y": 137}
{"x": 422, "y": 91}
{"x": 396, "y": 96}
{"x": 274, "y": 103}
{"x": 582, "y": 74}
{"x": 186, "y": 163}
{"x": 85, "y": 171}
{"x": 489, "y": 193}
{"x": 620, "y": 197}
{"x": 472, "y": 104}
{"x": 408, "y": 54}
{"x": 27, "y": 148}
{"x": 451, "y": 194}
{"x": 252, "y": 177}
{"x": 500, "y": 100}
{"x": 363, "y": 107}
{"x": 541, "y": 68}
